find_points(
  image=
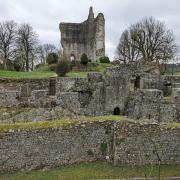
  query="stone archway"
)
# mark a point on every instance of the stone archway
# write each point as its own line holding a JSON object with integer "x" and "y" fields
{"x": 72, "y": 57}
{"x": 137, "y": 82}
{"x": 116, "y": 111}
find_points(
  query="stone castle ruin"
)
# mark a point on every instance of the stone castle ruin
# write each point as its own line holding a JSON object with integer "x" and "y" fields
{"x": 147, "y": 109}
{"x": 150, "y": 100}
{"x": 120, "y": 91}
{"x": 87, "y": 37}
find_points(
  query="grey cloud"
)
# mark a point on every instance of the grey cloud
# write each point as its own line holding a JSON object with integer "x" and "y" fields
{"x": 45, "y": 15}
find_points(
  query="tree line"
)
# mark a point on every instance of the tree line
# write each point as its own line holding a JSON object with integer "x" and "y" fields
{"x": 20, "y": 48}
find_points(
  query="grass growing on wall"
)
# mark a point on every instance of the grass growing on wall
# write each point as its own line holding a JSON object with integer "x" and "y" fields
{"x": 57, "y": 123}
{"x": 170, "y": 125}
{"x": 98, "y": 170}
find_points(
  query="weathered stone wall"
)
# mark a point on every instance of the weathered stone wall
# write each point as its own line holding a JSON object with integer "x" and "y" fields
{"x": 93, "y": 96}
{"x": 20, "y": 84}
{"x": 117, "y": 89}
{"x": 138, "y": 144}
{"x": 124, "y": 142}
{"x": 36, "y": 149}
{"x": 150, "y": 104}
{"x": 164, "y": 83}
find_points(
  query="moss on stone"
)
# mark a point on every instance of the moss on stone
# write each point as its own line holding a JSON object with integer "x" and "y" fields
{"x": 170, "y": 125}
{"x": 58, "y": 123}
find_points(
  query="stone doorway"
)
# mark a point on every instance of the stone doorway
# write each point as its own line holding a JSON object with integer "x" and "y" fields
{"x": 52, "y": 86}
{"x": 137, "y": 83}
{"x": 116, "y": 111}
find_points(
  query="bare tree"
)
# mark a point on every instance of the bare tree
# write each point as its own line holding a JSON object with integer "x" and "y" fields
{"x": 7, "y": 40}
{"x": 147, "y": 40}
{"x": 41, "y": 54}
{"x": 27, "y": 43}
{"x": 126, "y": 49}
{"x": 48, "y": 48}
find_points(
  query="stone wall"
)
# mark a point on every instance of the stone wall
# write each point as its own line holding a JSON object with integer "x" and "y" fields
{"x": 22, "y": 92}
{"x": 139, "y": 144}
{"x": 150, "y": 104}
{"x": 121, "y": 89}
{"x": 164, "y": 83}
{"x": 36, "y": 149}
{"x": 124, "y": 142}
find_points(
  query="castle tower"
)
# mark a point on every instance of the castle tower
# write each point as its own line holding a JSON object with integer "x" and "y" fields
{"x": 87, "y": 37}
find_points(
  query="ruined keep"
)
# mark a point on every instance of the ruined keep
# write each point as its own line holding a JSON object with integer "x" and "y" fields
{"x": 87, "y": 37}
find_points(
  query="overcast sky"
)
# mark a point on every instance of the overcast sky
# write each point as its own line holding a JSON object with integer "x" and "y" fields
{"x": 45, "y": 15}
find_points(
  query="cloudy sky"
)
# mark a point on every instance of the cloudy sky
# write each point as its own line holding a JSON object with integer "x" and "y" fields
{"x": 45, "y": 15}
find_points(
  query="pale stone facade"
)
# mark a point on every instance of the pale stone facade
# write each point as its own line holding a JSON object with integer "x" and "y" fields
{"x": 87, "y": 37}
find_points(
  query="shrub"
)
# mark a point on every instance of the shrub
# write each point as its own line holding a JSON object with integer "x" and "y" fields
{"x": 84, "y": 59}
{"x": 39, "y": 66}
{"x": 52, "y": 67}
{"x": 1, "y": 66}
{"x": 104, "y": 59}
{"x": 62, "y": 68}
{"x": 10, "y": 65}
{"x": 103, "y": 148}
{"x": 52, "y": 58}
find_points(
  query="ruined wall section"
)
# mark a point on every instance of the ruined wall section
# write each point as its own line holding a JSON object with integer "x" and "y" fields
{"x": 87, "y": 37}
{"x": 117, "y": 89}
{"x": 100, "y": 36}
{"x": 73, "y": 39}
{"x": 140, "y": 144}
{"x": 52, "y": 147}
{"x": 125, "y": 142}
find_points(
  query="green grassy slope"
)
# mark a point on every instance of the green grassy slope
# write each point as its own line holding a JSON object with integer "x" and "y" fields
{"x": 98, "y": 170}
{"x": 44, "y": 72}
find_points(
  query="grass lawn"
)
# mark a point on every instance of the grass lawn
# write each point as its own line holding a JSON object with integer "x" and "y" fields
{"x": 98, "y": 170}
{"x": 77, "y": 74}
{"x": 44, "y": 72}
{"x": 100, "y": 68}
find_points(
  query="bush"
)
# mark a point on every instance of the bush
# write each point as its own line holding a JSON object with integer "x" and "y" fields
{"x": 52, "y": 67}
{"x": 104, "y": 59}
{"x": 62, "y": 68}
{"x": 1, "y": 66}
{"x": 84, "y": 59}
{"x": 39, "y": 66}
{"x": 52, "y": 58}
{"x": 10, "y": 65}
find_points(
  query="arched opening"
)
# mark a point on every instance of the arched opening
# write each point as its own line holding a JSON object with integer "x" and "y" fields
{"x": 52, "y": 87}
{"x": 137, "y": 82}
{"x": 167, "y": 89}
{"x": 116, "y": 111}
{"x": 72, "y": 58}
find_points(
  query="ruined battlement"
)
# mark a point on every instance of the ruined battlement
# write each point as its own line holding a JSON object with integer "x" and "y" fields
{"x": 87, "y": 37}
